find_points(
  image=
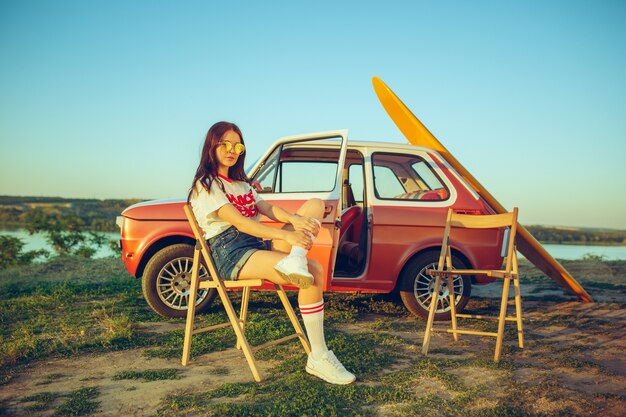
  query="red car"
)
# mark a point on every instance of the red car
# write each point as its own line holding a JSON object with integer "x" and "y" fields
{"x": 386, "y": 206}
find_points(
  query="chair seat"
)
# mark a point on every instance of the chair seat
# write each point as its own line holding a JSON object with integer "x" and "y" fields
{"x": 488, "y": 272}
{"x": 233, "y": 284}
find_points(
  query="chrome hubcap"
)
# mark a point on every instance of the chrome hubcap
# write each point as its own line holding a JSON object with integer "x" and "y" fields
{"x": 424, "y": 286}
{"x": 174, "y": 280}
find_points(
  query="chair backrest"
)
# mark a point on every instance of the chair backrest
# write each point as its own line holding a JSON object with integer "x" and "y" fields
{"x": 195, "y": 227}
{"x": 486, "y": 221}
{"x": 200, "y": 240}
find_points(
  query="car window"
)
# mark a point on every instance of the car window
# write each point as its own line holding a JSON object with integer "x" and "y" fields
{"x": 387, "y": 184}
{"x": 406, "y": 177}
{"x": 427, "y": 175}
{"x": 306, "y": 176}
{"x": 355, "y": 178}
{"x": 309, "y": 166}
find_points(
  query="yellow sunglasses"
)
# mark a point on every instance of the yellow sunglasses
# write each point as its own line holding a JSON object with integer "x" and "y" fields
{"x": 239, "y": 148}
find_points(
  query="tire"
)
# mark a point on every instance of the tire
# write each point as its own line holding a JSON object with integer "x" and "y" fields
{"x": 416, "y": 287}
{"x": 166, "y": 282}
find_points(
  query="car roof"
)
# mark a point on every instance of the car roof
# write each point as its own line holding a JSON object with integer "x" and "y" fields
{"x": 369, "y": 144}
{"x": 392, "y": 145}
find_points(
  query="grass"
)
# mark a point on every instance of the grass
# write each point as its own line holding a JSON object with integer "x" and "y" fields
{"x": 39, "y": 402}
{"x": 277, "y": 398}
{"x": 78, "y": 403}
{"x": 75, "y": 403}
{"x": 71, "y": 307}
{"x": 95, "y": 310}
{"x": 149, "y": 374}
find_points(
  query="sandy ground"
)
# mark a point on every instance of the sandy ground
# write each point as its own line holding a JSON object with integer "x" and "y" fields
{"x": 128, "y": 397}
{"x": 584, "y": 333}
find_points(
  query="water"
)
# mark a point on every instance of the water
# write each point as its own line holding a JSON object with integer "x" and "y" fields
{"x": 611, "y": 253}
{"x": 38, "y": 241}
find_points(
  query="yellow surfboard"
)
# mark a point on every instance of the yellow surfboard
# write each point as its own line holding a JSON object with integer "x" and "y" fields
{"x": 417, "y": 134}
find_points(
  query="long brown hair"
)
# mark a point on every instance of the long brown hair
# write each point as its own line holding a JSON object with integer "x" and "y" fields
{"x": 207, "y": 170}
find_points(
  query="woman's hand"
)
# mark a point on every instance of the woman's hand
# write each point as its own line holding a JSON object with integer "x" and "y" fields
{"x": 305, "y": 223}
{"x": 302, "y": 238}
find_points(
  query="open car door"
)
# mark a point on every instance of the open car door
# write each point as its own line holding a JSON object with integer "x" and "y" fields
{"x": 298, "y": 168}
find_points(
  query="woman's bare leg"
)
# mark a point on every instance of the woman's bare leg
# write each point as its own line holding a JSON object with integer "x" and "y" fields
{"x": 321, "y": 362}
{"x": 313, "y": 208}
{"x": 261, "y": 265}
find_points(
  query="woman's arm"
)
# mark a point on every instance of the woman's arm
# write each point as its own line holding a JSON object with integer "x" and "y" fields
{"x": 279, "y": 214}
{"x": 245, "y": 224}
{"x": 275, "y": 213}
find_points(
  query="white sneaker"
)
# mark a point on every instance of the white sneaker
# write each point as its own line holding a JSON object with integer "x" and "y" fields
{"x": 294, "y": 270}
{"x": 328, "y": 368}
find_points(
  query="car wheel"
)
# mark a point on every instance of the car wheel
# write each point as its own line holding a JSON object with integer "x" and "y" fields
{"x": 167, "y": 278}
{"x": 416, "y": 287}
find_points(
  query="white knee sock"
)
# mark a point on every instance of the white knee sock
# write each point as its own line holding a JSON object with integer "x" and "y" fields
{"x": 313, "y": 317}
{"x": 300, "y": 251}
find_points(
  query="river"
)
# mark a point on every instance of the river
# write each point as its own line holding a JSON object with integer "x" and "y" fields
{"x": 38, "y": 241}
{"x": 611, "y": 253}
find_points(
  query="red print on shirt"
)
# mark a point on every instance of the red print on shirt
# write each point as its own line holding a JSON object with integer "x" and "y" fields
{"x": 245, "y": 203}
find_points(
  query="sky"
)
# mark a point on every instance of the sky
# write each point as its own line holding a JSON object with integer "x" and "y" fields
{"x": 112, "y": 99}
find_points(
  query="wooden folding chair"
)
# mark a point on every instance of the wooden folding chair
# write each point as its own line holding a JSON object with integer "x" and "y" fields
{"x": 221, "y": 285}
{"x": 510, "y": 272}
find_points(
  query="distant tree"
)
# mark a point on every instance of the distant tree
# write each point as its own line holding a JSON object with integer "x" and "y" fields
{"x": 114, "y": 245}
{"x": 11, "y": 252}
{"x": 64, "y": 233}
{"x": 593, "y": 257}
{"x": 98, "y": 215}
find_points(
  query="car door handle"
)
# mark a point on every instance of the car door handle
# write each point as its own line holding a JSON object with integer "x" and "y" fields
{"x": 327, "y": 210}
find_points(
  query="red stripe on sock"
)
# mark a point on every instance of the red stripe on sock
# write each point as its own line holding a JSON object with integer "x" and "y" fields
{"x": 310, "y": 306}
{"x": 312, "y": 310}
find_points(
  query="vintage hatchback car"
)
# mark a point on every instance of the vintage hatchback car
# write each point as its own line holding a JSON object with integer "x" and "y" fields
{"x": 386, "y": 206}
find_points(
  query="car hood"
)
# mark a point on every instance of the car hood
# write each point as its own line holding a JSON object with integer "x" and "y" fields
{"x": 171, "y": 209}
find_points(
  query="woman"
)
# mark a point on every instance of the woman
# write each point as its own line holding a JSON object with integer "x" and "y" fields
{"x": 228, "y": 210}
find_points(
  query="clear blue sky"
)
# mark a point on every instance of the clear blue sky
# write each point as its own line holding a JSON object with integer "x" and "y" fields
{"x": 111, "y": 99}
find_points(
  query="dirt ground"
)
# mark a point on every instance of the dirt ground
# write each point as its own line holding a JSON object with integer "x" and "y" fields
{"x": 590, "y": 338}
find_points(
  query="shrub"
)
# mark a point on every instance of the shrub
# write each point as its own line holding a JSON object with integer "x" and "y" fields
{"x": 65, "y": 233}
{"x": 11, "y": 252}
{"x": 593, "y": 257}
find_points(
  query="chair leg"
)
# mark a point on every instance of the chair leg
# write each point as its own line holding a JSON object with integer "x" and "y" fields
{"x": 452, "y": 308}
{"x": 502, "y": 318}
{"x": 191, "y": 307}
{"x": 234, "y": 321}
{"x": 293, "y": 318}
{"x": 431, "y": 315}
{"x": 243, "y": 312}
{"x": 518, "y": 312}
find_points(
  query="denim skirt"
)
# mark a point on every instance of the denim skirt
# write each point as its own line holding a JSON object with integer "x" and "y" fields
{"x": 231, "y": 249}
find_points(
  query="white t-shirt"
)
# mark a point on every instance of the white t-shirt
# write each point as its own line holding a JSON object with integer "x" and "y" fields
{"x": 205, "y": 205}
